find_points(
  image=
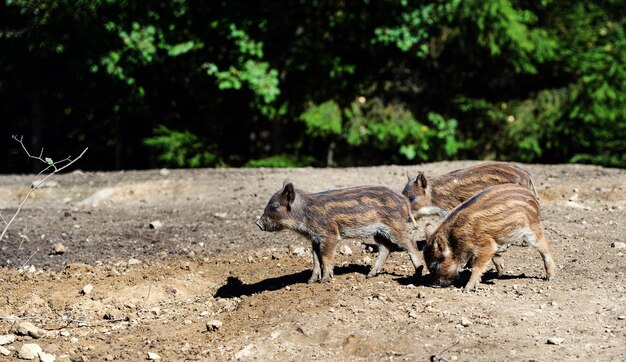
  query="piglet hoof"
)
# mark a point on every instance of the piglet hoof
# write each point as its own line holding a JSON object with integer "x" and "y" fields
{"x": 314, "y": 278}
{"x": 326, "y": 279}
{"x": 371, "y": 274}
{"x": 419, "y": 271}
{"x": 469, "y": 288}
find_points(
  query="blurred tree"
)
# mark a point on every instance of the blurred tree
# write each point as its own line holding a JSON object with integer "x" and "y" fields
{"x": 186, "y": 83}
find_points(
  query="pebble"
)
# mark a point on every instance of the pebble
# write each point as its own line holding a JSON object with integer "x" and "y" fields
{"x": 297, "y": 250}
{"x": 164, "y": 172}
{"x": 46, "y": 357}
{"x": 58, "y": 248}
{"x": 153, "y": 356}
{"x": 220, "y": 215}
{"x": 245, "y": 352}
{"x": 275, "y": 334}
{"x": 29, "y": 329}
{"x": 64, "y": 333}
{"x": 466, "y": 322}
{"x": 413, "y": 314}
{"x": 555, "y": 340}
{"x": 618, "y": 245}
{"x": 133, "y": 261}
{"x": 4, "y": 351}
{"x": 87, "y": 289}
{"x": 156, "y": 224}
{"x": 29, "y": 351}
{"x": 213, "y": 325}
{"x": 40, "y": 183}
{"x": 7, "y": 339}
{"x": 621, "y": 317}
{"x": 345, "y": 250}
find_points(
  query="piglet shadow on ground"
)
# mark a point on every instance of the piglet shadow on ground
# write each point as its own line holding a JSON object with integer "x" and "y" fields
{"x": 462, "y": 279}
{"x": 234, "y": 287}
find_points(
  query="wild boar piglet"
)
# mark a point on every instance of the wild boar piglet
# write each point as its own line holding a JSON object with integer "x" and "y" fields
{"x": 440, "y": 194}
{"x": 480, "y": 229}
{"x": 329, "y": 216}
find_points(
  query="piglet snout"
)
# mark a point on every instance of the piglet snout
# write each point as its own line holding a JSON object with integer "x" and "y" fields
{"x": 260, "y": 225}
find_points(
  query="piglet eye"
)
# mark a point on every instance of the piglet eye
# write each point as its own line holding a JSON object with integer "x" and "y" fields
{"x": 412, "y": 198}
{"x": 274, "y": 207}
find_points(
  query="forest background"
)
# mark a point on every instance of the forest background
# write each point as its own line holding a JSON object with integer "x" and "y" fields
{"x": 252, "y": 83}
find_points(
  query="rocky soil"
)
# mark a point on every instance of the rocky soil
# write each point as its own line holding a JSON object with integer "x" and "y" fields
{"x": 168, "y": 264}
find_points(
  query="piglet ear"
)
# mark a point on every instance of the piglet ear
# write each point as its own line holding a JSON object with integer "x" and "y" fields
{"x": 289, "y": 193}
{"x": 429, "y": 229}
{"x": 408, "y": 177}
{"x": 420, "y": 180}
{"x": 286, "y": 182}
{"x": 441, "y": 245}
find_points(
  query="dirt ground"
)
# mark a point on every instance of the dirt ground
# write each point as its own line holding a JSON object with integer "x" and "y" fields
{"x": 156, "y": 290}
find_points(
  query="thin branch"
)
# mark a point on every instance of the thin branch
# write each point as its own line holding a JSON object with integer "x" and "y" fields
{"x": 43, "y": 181}
{"x": 435, "y": 357}
{"x": 2, "y": 218}
{"x": 30, "y": 257}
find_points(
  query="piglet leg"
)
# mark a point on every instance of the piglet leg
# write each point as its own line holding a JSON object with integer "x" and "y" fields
{"x": 317, "y": 269}
{"x": 327, "y": 256}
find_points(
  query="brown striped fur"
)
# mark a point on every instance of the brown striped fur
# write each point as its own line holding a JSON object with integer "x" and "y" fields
{"x": 328, "y": 216}
{"x": 439, "y": 195}
{"x": 479, "y": 230}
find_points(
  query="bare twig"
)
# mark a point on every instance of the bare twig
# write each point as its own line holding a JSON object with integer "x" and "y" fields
{"x": 435, "y": 357}
{"x": 30, "y": 257}
{"x": 55, "y": 166}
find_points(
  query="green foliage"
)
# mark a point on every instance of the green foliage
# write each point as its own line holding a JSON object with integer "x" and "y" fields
{"x": 180, "y": 149}
{"x": 322, "y": 120}
{"x": 260, "y": 78}
{"x": 353, "y": 82}
{"x": 281, "y": 161}
{"x": 385, "y": 127}
{"x": 507, "y": 31}
{"x": 417, "y": 23}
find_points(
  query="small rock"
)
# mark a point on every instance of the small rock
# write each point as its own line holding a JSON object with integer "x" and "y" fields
{"x": 87, "y": 289}
{"x": 7, "y": 339}
{"x": 275, "y": 334}
{"x": 133, "y": 261}
{"x": 153, "y": 356}
{"x": 297, "y": 250}
{"x": 618, "y": 245}
{"x": 64, "y": 358}
{"x": 29, "y": 329}
{"x": 29, "y": 351}
{"x": 555, "y": 340}
{"x": 46, "y": 357}
{"x": 164, "y": 172}
{"x": 213, "y": 325}
{"x": 345, "y": 250}
{"x": 40, "y": 183}
{"x": 156, "y": 224}
{"x": 621, "y": 317}
{"x": 31, "y": 269}
{"x": 466, "y": 322}
{"x": 187, "y": 322}
{"x": 4, "y": 351}
{"x": 413, "y": 314}
{"x": 64, "y": 333}
{"x": 220, "y": 215}
{"x": 245, "y": 352}
{"x": 58, "y": 248}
